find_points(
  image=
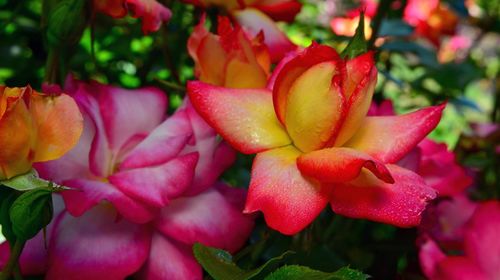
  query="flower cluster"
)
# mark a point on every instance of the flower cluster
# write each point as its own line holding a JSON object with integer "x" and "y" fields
{"x": 134, "y": 183}
{"x": 144, "y": 189}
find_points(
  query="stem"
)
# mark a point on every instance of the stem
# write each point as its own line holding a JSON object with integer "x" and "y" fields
{"x": 13, "y": 259}
{"x": 171, "y": 85}
{"x": 495, "y": 114}
{"x": 382, "y": 10}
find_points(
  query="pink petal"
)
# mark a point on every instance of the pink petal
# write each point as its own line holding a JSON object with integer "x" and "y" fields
{"x": 411, "y": 160}
{"x": 244, "y": 117}
{"x": 279, "y": 67}
{"x": 100, "y": 156}
{"x": 430, "y": 255}
{"x": 280, "y": 10}
{"x": 215, "y": 155}
{"x": 164, "y": 143}
{"x": 288, "y": 200}
{"x": 141, "y": 110}
{"x": 337, "y": 165}
{"x": 460, "y": 268}
{"x": 97, "y": 246}
{"x": 385, "y": 108}
{"x": 481, "y": 238}
{"x": 151, "y": 12}
{"x": 209, "y": 218}
{"x": 157, "y": 185}
{"x": 440, "y": 169}
{"x": 170, "y": 260}
{"x": 367, "y": 197}
{"x": 254, "y": 21}
{"x": 389, "y": 139}
{"x": 89, "y": 193}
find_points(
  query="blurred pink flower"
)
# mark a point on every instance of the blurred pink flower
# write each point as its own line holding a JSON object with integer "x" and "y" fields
{"x": 151, "y": 12}
{"x": 145, "y": 190}
{"x": 431, "y": 160}
{"x": 454, "y": 48}
{"x": 479, "y": 255}
{"x": 430, "y": 18}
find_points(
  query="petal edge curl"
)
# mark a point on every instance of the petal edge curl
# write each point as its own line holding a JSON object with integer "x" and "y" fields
{"x": 244, "y": 117}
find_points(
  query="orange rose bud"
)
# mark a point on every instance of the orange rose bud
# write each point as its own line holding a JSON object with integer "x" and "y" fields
{"x": 35, "y": 127}
{"x": 230, "y": 58}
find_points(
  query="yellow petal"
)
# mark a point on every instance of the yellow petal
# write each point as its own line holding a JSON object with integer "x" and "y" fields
{"x": 314, "y": 106}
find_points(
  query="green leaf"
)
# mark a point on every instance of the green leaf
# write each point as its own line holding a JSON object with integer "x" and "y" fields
{"x": 66, "y": 23}
{"x": 7, "y": 198}
{"x": 358, "y": 44}
{"x": 220, "y": 265}
{"x": 25, "y": 182}
{"x": 31, "y": 212}
{"x": 297, "y": 272}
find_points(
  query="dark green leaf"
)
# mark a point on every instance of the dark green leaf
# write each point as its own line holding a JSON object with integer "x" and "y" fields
{"x": 297, "y": 272}
{"x": 219, "y": 264}
{"x": 7, "y": 198}
{"x": 358, "y": 44}
{"x": 67, "y": 21}
{"x": 31, "y": 212}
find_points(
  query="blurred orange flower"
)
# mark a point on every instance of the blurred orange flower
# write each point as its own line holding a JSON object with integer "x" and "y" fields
{"x": 229, "y": 59}
{"x": 35, "y": 127}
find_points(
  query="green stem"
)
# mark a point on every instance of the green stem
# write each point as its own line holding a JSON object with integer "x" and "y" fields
{"x": 52, "y": 67}
{"x": 171, "y": 85}
{"x": 15, "y": 253}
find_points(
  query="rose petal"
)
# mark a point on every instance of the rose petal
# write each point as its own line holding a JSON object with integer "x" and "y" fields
{"x": 170, "y": 260}
{"x": 314, "y": 106}
{"x": 156, "y": 185}
{"x": 367, "y": 197}
{"x": 73, "y": 164}
{"x": 297, "y": 64}
{"x": 59, "y": 125}
{"x": 116, "y": 104}
{"x": 481, "y": 238}
{"x": 244, "y": 117}
{"x": 390, "y": 138}
{"x": 89, "y": 193}
{"x": 100, "y": 156}
{"x": 288, "y": 200}
{"x": 337, "y": 165}
{"x": 15, "y": 138}
{"x": 151, "y": 12}
{"x": 215, "y": 155}
{"x": 280, "y": 10}
{"x": 97, "y": 246}
{"x": 459, "y": 268}
{"x": 440, "y": 169}
{"x": 359, "y": 87}
{"x": 198, "y": 219}
{"x": 254, "y": 21}
{"x": 430, "y": 255}
{"x": 162, "y": 144}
